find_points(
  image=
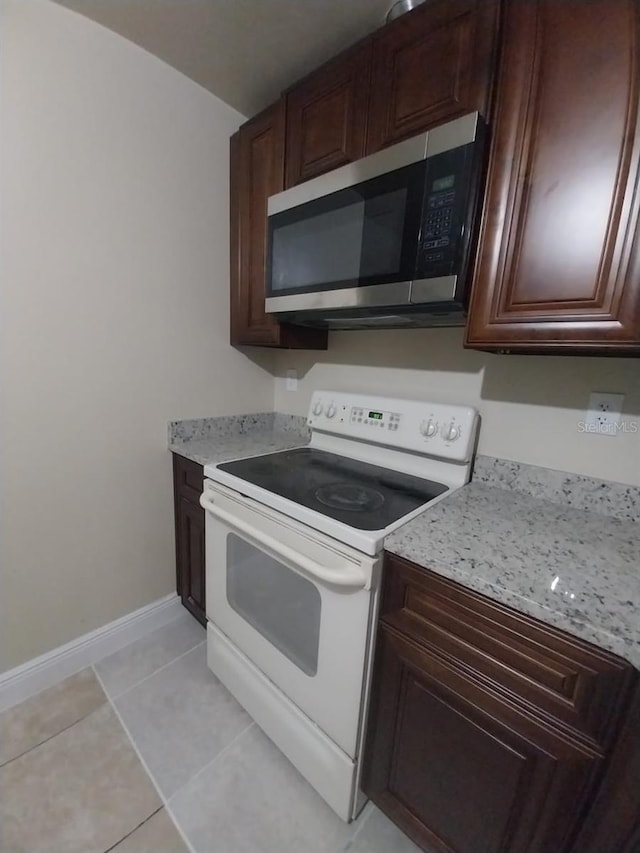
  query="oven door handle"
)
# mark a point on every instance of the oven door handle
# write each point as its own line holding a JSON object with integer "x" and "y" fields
{"x": 349, "y": 576}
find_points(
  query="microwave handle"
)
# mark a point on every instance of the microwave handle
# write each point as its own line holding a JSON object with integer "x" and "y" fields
{"x": 349, "y": 576}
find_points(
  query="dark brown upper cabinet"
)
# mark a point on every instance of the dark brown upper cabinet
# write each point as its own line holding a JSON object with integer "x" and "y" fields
{"x": 327, "y": 116}
{"x": 257, "y": 171}
{"x": 559, "y": 261}
{"x": 431, "y": 65}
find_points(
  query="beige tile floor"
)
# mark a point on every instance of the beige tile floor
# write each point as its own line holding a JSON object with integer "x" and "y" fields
{"x": 146, "y": 752}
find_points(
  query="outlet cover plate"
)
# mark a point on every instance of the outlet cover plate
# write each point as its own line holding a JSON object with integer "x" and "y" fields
{"x": 291, "y": 382}
{"x": 604, "y": 414}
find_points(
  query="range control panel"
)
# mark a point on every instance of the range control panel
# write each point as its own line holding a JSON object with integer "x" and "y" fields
{"x": 379, "y": 420}
{"x": 437, "y": 429}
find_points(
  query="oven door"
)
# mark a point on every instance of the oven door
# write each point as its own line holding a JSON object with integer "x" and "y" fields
{"x": 296, "y": 603}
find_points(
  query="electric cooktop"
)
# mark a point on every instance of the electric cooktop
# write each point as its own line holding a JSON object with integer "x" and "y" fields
{"x": 355, "y": 493}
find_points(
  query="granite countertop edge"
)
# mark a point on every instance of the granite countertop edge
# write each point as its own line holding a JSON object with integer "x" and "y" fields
{"x": 577, "y": 627}
{"x": 576, "y": 570}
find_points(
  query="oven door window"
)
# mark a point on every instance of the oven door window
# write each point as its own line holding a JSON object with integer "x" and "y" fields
{"x": 280, "y": 604}
{"x": 363, "y": 235}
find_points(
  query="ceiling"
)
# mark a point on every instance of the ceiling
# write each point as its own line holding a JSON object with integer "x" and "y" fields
{"x": 244, "y": 51}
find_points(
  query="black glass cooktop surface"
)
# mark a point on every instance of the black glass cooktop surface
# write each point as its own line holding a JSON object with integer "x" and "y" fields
{"x": 356, "y": 493}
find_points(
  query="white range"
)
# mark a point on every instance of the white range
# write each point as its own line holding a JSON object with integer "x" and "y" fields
{"x": 293, "y": 553}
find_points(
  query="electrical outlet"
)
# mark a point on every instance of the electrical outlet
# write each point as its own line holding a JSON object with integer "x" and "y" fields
{"x": 604, "y": 413}
{"x": 291, "y": 383}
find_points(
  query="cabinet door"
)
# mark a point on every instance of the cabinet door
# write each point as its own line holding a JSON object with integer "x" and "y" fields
{"x": 327, "y": 116}
{"x": 433, "y": 64}
{"x": 190, "y": 557}
{"x": 257, "y": 170}
{"x": 613, "y": 821}
{"x": 559, "y": 260}
{"x": 459, "y": 767}
{"x": 189, "y": 521}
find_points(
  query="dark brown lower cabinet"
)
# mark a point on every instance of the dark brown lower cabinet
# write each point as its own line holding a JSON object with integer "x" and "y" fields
{"x": 487, "y": 731}
{"x": 189, "y": 519}
{"x": 613, "y": 822}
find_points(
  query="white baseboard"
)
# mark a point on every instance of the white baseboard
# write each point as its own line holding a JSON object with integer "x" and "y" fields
{"x": 46, "y": 670}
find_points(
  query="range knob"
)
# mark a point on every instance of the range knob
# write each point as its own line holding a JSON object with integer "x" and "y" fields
{"x": 317, "y": 407}
{"x": 331, "y": 410}
{"x": 451, "y": 431}
{"x": 429, "y": 428}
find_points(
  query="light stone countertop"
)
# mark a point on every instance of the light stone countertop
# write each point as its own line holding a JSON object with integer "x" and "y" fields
{"x": 562, "y": 548}
{"x": 211, "y": 440}
{"x": 575, "y": 569}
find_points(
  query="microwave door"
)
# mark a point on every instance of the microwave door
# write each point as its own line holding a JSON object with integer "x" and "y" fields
{"x": 351, "y": 248}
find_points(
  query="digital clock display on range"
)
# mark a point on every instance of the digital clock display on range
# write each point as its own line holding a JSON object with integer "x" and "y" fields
{"x": 376, "y": 416}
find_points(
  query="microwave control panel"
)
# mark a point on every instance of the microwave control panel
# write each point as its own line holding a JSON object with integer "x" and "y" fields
{"x": 448, "y": 210}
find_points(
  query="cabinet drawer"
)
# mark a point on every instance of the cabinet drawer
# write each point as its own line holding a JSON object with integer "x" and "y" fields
{"x": 188, "y": 478}
{"x": 581, "y": 687}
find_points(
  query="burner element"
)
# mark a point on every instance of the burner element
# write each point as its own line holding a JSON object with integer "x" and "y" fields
{"x": 350, "y": 498}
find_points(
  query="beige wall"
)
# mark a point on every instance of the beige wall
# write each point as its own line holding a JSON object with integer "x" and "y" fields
{"x": 530, "y": 405}
{"x": 114, "y": 316}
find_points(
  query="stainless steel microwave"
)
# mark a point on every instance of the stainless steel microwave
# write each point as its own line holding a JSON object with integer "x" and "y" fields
{"x": 385, "y": 241}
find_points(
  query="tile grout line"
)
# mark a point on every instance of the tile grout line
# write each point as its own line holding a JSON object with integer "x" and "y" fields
{"x": 363, "y": 819}
{"x": 135, "y": 829}
{"x": 169, "y": 806}
{"x": 213, "y": 760}
{"x": 166, "y": 801}
{"x": 146, "y": 677}
{"x": 107, "y": 696}
{"x": 363, "y": 822}
{"x": 51, "y": 737}
{"x": 161, "y": 795}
